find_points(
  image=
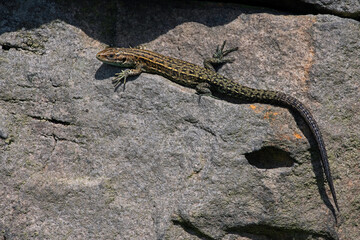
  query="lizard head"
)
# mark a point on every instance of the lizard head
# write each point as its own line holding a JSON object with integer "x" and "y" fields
{"x": 116, "y": 57}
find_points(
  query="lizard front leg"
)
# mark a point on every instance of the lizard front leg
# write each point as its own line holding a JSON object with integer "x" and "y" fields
{"x": 121, "y": 77}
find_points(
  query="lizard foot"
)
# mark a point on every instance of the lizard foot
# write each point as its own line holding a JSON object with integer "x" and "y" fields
{"x": 218, "y": 57}
{"x": 220, "y": 53}
{"x": 121, "y": 78}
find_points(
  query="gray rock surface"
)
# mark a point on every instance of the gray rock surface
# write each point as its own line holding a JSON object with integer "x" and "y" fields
{"x": 347, "y": 8}
{"x": 343, "y": 8}
{"x": 80, "y": 161}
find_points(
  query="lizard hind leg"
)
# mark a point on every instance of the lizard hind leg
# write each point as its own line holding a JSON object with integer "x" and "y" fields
{"x": 218, "y": 57}
{"x": 203, "y": 89}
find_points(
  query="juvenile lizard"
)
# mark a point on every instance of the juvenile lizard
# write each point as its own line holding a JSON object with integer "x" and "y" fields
{"x": 206, "y": 81}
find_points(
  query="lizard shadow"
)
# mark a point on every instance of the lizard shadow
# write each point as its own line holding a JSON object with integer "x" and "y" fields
{"x": 314, "y": 153}
{"x": 106, "y": 71}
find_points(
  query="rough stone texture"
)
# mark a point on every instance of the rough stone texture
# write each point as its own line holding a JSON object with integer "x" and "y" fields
{"x": 348, "y": 8}
{"x": 344, "y": 8}
{"x": 80, "y": 161}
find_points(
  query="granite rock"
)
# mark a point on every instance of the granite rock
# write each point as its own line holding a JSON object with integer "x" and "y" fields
{"x": 79, "y": 160}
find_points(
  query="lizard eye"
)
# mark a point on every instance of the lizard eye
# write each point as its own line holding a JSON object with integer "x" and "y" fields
{"x": 111, "y": 55}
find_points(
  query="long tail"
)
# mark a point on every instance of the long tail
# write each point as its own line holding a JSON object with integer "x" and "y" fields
{"x": 242, "y": 92}
{"x": 309, "y": 119}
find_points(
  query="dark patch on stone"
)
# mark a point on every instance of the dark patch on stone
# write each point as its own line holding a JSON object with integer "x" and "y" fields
{"x": 270, "y": 157}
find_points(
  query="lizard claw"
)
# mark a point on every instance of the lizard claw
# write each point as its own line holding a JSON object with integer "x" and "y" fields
{"x": 218, "y": 57}
{"x": 220, "y": 53}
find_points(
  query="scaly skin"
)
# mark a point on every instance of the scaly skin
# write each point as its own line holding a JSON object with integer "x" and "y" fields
{"x": 206, "y": 81}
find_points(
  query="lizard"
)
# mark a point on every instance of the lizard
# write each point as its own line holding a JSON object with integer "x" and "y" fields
{"x": 207, "y": 81}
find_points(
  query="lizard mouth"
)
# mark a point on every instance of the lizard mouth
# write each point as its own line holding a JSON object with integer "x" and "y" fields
{"x": 100, "y": 57}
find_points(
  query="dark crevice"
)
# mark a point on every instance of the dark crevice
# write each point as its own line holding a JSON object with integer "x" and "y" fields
{"x": 7, "y": 46}
{"x": 206, "y": 129}
{"x": 56, "y": 121}
{"x": 269, "y": 158}
{"x": 192, "y": 230}
{"x": 51, "y": 120}
{"x": 16, "y": 100}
